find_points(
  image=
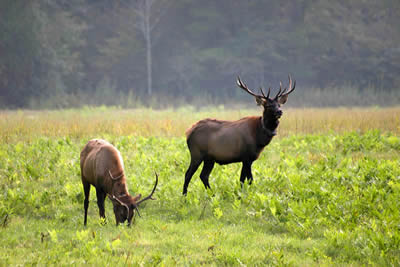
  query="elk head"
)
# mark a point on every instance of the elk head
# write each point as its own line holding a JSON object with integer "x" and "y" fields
{"x": 125, "y": 206}
{"x": 271, "y": 105}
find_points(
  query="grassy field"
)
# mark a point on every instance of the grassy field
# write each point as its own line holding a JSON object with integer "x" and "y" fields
{"x": 326, "y": 191}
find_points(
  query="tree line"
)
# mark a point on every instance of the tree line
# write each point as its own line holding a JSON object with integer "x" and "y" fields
{"x": 73, "y": 52}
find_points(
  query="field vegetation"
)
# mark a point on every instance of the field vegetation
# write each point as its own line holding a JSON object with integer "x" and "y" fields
{"x": 326, "y": 191}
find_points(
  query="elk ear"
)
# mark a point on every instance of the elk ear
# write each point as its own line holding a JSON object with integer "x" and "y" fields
{"x": 282, "y": 100}
{"x": 259, "y": 101}
{"x": 136, "y": 198}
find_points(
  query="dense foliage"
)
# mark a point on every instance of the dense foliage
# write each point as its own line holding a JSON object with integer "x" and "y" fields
{"x": 316, "y": 199}
{"x": 62, "y": 53}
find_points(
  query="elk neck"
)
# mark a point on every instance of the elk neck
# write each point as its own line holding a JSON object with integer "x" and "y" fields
{"x": 119, "y": 187}
{"x": 268, "y": 127}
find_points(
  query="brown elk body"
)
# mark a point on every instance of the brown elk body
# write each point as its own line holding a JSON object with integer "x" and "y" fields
{"x": 225, "y": 142}
{"x": 102, "y": 166}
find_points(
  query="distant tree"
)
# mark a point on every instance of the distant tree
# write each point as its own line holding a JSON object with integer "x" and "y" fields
{"x": 60, "y": 33}
{"x": 350, "y": 42}
{"x": 19, "y": 48}
{"x": 194, "y": 49}
{"x": 39, "y": 60}
{"x": 148, "y": 14}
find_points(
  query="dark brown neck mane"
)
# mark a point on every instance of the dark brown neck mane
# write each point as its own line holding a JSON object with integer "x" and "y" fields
{"x": 267, "y": 131}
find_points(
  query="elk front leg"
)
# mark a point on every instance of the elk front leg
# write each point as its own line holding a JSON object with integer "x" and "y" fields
{"x": 115, "y": 213}
{"x": 249, "y": 174}
{"x": 86, "y": 189}
{"x": 246, "y": 173}
{"x": 101, "y": 196}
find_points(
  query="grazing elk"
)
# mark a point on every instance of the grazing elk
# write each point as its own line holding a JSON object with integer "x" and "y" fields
{"x": 225, "y": 142}
{"x": 102, "y": 167}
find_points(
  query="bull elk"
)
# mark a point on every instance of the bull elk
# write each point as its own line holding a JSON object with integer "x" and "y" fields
{"x": 226, "y": 142}
{"x": 102, "y": 166}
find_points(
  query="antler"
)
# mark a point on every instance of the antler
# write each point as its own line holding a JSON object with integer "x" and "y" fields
{"x": 151, "y": 194}
{"x": 281, "y": 93}
{"x": 286, "y": 91}
{"x": 121, "y": 203}
{"x": 115, "y": 178}
{"x": 262, "y": 92}
{"x": 244, "y": 87}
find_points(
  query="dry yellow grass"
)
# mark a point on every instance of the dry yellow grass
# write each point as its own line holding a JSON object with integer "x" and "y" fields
{"x": 88, "y": 123}
{"x": 312, "y": 121}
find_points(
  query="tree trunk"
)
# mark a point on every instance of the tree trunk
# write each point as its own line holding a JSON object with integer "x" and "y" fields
{"x": 148, "y": 47}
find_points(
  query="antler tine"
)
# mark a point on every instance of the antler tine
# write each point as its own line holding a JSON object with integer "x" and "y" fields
{"x": 241, "y": 84}
{"x": 290, "y": 89}
{"x": 262, "y": 92}
{"x": 115, "y": 178}
{"x": 121, "y": 203}
{"x": 244, "y": 87}
{"x": 137, "y": 210}
{"x": 151, "y": 194}
{"x": 269, "y": 91}
{"x": 283, "y": 92}
{"x": 280, "y": 90}
{"x": 290, "y": 81}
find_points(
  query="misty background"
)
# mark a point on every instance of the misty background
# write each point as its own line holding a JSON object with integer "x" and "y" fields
{"x": 162, "y": 53}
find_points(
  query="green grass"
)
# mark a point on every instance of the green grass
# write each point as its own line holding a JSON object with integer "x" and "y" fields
{"x": 317, "y": 199}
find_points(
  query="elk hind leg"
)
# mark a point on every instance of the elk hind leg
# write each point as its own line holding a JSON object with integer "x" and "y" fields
{"x": 194, "y": 165}
{"x": 205, "y": 172}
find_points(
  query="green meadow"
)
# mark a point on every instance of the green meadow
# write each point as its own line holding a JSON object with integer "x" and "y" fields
{"x": 326, "y": 191}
